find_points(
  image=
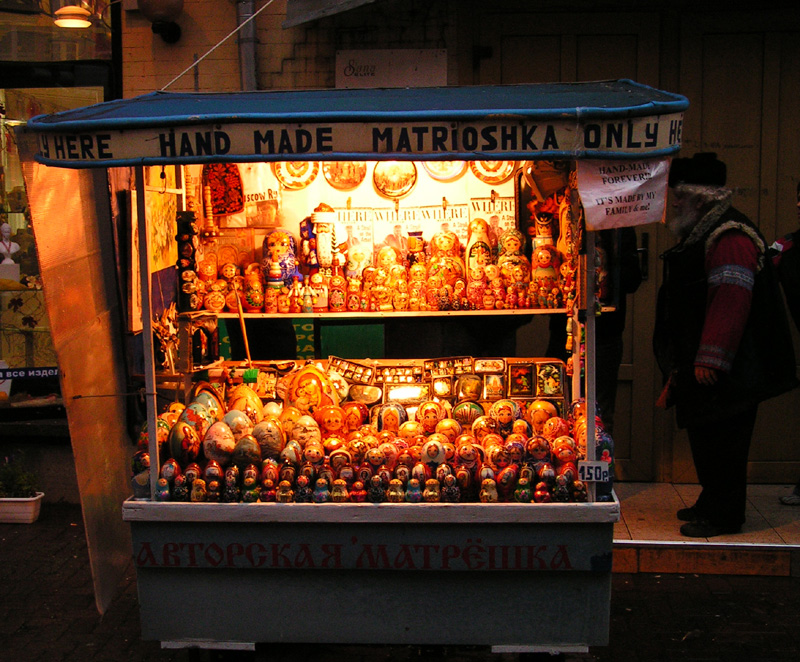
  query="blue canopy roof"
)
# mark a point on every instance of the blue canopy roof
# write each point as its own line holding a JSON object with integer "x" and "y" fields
{"x": 94, "y": 135}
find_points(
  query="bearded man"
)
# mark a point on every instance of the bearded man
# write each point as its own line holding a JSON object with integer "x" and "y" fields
{"x": 721, "y": 338}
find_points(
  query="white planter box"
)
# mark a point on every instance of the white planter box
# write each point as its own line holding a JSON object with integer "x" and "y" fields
{"x": 20, "y": 511}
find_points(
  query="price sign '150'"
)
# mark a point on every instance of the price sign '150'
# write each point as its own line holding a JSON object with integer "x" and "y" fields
{"x": 593, "y": 472}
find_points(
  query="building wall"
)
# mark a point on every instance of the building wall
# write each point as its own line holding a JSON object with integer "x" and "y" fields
{"x": 293, "y": 58}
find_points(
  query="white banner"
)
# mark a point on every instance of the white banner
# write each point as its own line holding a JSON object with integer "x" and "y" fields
{"x": 618, "y": 194}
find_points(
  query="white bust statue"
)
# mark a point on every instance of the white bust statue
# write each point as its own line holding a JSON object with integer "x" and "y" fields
{"x": 7, "y": 247}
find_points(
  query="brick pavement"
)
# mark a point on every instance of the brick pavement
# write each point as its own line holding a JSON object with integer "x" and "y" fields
{"x": 47, "y": 613}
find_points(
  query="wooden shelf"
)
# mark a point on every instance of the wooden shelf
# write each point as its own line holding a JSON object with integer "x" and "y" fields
{"x": 396, "y": 314}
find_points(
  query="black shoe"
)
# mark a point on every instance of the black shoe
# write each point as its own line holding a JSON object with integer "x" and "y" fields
{"x": 689, "y": 514}
{"x": 702, "y": 528}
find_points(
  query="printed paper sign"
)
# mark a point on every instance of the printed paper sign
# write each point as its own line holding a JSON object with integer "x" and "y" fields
{"x": 619, "y": 194}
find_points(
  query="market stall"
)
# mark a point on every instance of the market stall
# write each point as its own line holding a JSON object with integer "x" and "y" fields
{"x": 481, "y": 205}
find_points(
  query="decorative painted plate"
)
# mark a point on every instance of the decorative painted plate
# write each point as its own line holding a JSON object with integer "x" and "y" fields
{"x": 394, "y": 179}
{"x": 445, "y": 171}
{"x": 492, "y": 172}
{"x": 344, "y": 175}
{"x": 295, "y": 175}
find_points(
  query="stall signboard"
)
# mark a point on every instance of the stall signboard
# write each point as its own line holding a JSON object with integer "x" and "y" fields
{"x": 412, "y": 140}
{"x": 619, "y": 194}
{"x": 607, "y": 119}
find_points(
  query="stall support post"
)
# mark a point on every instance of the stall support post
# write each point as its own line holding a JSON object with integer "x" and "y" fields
{"x": 147, "y": 330}
{"x": 591, "y": 319}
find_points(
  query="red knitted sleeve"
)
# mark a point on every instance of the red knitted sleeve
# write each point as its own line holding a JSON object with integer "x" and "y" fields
{"x": 731, "y": 265}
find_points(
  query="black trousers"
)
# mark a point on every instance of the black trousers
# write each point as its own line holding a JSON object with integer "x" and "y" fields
{"x": 719, "y": 450}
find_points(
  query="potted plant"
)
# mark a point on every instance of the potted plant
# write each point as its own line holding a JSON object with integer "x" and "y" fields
{"x": 20, "y": 501}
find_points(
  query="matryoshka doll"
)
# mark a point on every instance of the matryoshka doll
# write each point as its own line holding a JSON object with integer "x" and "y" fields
{"x": 253, "y": 291}
{"x": 376, "y": 492}
{"x": 331, "y": 421}
{"x": 433, "y": 453}
{"x": 537, "y": 451}
{"x": 339, "y": 493}
{"x": 337, "y": 291}
{"x": 303, "y": 490}
{"x": 478, "y": 251}
{"x": 445, "y": 258}
{"x": 555, "y": 426}
{"x": 308, "y": 255}
{"x": 395, "y": 492}
{"x": 432, "y": 491}
{"x": 450, "y": 428}
{"x": 279, "y": 249}
{"x": 483, "y": 426}
{"x": 429, "y": 413}
{"x": 538, "y": 412}
{"x": 319, "y": 285}
{"x": 355, "y": 415}
{"x": 353, "y": 294}
{"x": 476, "y": 287}
{"x": 450, "y": 491}
{"x": 417, "y": 274}
{"x": 545, "y": 264}
{"x": 410, "y": 429}
{"x": 358, "y": 494}
{"x": 391, "y": 416}
{"x": 380, "y": 293}
{"x": 511, "y": 243}
{"x": 413, "y": 491}
{"x": 505, "y": 412}
{"x": 488, "y": 493}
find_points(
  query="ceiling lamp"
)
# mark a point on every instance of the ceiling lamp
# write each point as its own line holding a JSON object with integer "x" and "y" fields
{"x": 72, "y": 16}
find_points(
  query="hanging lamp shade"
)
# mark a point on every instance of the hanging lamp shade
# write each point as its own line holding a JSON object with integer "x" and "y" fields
{"x": 72, "y": 14}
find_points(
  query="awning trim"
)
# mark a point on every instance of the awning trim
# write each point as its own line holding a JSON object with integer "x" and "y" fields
{"x": 609, "y": 119}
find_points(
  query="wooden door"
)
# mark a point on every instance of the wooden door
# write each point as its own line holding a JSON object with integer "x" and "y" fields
{"x": 534, "y": 48}
{"x": 741, "y": 73}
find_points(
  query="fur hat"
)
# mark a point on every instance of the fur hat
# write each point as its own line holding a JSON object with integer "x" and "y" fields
{"x": 704, "y": 169}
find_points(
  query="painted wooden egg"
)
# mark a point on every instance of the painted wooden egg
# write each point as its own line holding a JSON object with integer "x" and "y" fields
{"x": 272, "y": 409}
{"x": 306, "y": 430}
{"x": 246, "y": 452}
{"x": 211, "y": 403}
{"x": 270, "y": 437}
{"x": 198, "y": 416}
{"x": 244, "y": 398}
{"x": 310, "y": 389}
{"x": 239, "y": 423}
{"x": 292, "y": 453}
{"x": 219, "y": 442}
{"x": 184, "y": 443}
{"x": 288, "y": 417}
